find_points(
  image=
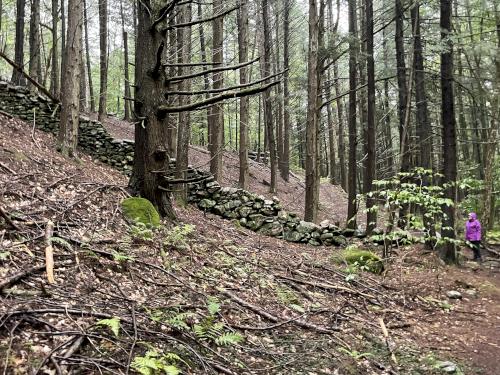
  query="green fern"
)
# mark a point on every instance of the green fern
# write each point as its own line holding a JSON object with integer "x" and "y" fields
{"x": 179, "y": 321}
{"x": 154, "y": 363}
{"x": 228, "y": 339}
{"x": 113, "y": 324}
{"x": 213, "y": 305}
{"x": 61, "y": 242}
{"x": 119, "y": 257}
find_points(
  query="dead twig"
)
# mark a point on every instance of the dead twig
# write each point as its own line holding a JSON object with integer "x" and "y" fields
{"x": 49, "y": 252}
{"x": 8, "y": 220}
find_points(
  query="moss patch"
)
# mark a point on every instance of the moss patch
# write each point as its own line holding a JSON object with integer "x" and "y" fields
{"x": 140, "y": 210}
{"x": 362, "y": 259}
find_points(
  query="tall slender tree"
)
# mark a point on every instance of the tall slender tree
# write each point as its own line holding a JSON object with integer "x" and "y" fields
{"x": 87, "y": 58}
{"x": 54, "y": 73}
{"x": 70, "y": 108}
{"x": 244, "y": 102}
{"x": 103, "y": 58}
{"x": 34, "y": 38}
{"x": 285, "y": 172}
{"x": 448, "y": 122}
{"x": 17, "y": 77}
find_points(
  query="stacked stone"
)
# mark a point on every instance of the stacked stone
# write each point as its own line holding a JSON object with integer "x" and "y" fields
{"x": 262, "y": 215}
{"x": 93, "y": 138}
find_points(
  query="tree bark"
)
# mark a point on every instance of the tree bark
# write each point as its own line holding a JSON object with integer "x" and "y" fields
{"x": 87, "y": 59}
{"x": 268, "y": 116}
{"x": 103, "y": 58}
{"x": 17, "y": 77}
{"x": 285, "y": 171}
{"x": 217, "y": 110}
{"x": 352, "y": 204}
{"x": 370, "y": 161}
{"x": 311, "y": 170}
{"x": 184, "y": 128}
{"x": 54, "y": 73}
{"x": 404, "y": 138}
{"x": 35, "y": 64}
{"x": 244, "y": 102}
{"x": 448, "y": 251}
{"x": 126, "y": 103}
{"x": 151, "y": 153}
{"x": 70, "y": 106}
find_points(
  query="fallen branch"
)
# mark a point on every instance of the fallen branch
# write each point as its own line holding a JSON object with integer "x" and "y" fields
{"x": 49, "y": 252}
{"x": 386, "y": 338}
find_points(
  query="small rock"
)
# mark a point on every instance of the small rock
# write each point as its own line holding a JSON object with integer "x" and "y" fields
{"x": 306, "y": 227}
{"x": 447, "y": 366}
{"x": 471, "y": 292}
{"x": 453, "y": 294}
{"x": 206, "y": 204}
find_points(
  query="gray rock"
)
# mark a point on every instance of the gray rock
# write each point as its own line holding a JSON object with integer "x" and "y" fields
{"x": 339, "y": 241}
{"x": 453, "y": 294}
{"x": 243, "y": 221}
{"x": 306, "y": 227}
{"x": 314, "y": 242}
{"x": 232, "y": 204}
{"x": 219, "y": 210}
{"x": 245, "y": 211}
{"x": 292, "y": 236}
{"x": 326, "y": 236}
{"x": 267, "y": 210}
{"x": 212, "y": 187}
{"x": 271, "y": 229}
{"x": 447, "y": 366}
{"x": 206, "y": 204}
{"x": 255, "y": 221}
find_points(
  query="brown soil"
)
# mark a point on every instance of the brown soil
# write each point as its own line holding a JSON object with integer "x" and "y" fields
{"x": 83, "y": 199}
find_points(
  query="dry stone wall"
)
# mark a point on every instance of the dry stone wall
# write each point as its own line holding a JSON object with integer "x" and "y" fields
{"x": 251, "y": 211}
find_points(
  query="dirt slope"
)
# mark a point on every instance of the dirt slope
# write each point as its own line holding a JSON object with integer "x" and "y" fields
{"x": 223, "y": 299}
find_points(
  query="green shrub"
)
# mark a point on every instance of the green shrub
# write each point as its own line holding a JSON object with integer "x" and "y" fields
{"x": 358, "y": 259}
{"x": 140, "y": 210}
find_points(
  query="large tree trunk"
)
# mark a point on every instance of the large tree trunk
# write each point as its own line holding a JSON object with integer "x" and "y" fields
{"x": 312, "y": 178}
{"x": 151, "y": 133}
{"x": 35, "y": 64}
{"x": 285, "y": 172}
{"x": 370, "y": 161}
{"x": 63, "y": 37}
{"x": 448, "y": 121}
{"x": 351, "y": 183}
{"x": 54, "y": 73}
{"x": 217, "y": 110}
{"x": 404, "y": 138}
{"x": 268, "y": 116}
{"x": 103, "y": 58}
{"x": 206, "y": 81}
{"x": 423, "y": 124}
{"x": 17, "y": 77}
{"x": 184, "y": 128}
{"x": 70, "y": 108}
{"x": 244, "y": 103}
{"x": 87, "y": 58}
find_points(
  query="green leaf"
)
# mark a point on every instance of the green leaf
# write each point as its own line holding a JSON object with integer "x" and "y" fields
{"x": 228, "y": 339}
{"x": 113, "y": 324}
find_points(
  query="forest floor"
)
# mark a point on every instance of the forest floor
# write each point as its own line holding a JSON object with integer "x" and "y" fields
{"x": 125, "y": 297}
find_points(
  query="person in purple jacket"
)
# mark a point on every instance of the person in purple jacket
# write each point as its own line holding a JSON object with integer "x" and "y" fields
{"x": 473, "y": 235}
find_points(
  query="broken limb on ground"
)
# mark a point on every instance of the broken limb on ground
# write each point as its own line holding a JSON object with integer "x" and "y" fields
{"x": 205, "y": 296}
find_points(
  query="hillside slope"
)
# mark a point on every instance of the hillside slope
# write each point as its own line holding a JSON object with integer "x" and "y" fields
{"x": 333, "y": 199}
{"x": 210, "y": 297}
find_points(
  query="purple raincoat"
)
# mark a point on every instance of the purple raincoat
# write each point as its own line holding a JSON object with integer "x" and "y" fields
{"x": 473, "y": 228}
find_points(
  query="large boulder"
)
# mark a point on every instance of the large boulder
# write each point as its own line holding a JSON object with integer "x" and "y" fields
{"x": 271, "y": 229}
{"x": 306, "y": 227}
{"x": 140, "y": 210}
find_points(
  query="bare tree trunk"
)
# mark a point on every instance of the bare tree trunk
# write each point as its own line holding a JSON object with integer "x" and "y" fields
{"x": 217, "y": 111}
{"x": 184, "y": 128}
{"x": 206, "y": 81}
{"x": 54, "y": 73}
{"x": 34, "y": 64}
{"x": 311, "y": 196}
{"x": 70, "y": 108}
{"x": 279, "y": 94}
{"x": 17, "y": 77}
{"x": 370, "y": 161}
{"x": 126, "y": 103}
{"x": 244, "y": 103}
{"x": 404, "y": 138}
{"x": 285, "y": 172}
{"x": 83, "y": 82}
{"x": 268, "y": 116}
{"x": 63, "y": 37}
{"x": 151, "y": 153}
{"x": 351, "y": 186}
{"x": 449, "y": 132}
{"x": 103, "y": 58}
{"x": 87, "y": 58}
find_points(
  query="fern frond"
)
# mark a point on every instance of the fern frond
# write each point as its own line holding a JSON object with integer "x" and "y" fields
{"x": 228, "y": 339}
{"x": 113, "y": 324}
{"x": 61, "y": 242}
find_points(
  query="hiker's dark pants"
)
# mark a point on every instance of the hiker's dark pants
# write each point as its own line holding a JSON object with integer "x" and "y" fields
{"x": 475, "y": 246}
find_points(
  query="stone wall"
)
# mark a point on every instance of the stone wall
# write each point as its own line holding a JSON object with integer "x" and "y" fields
{"x": 252, "y": 211}
{"x": 93, "y": 138}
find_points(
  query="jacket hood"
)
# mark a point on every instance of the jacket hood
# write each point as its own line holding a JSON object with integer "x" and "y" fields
{"x": 473, "y": 215}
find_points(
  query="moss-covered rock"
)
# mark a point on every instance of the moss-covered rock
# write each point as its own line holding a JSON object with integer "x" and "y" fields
{"x": 140, "y": 210}
{"x": 362, "y": 259}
